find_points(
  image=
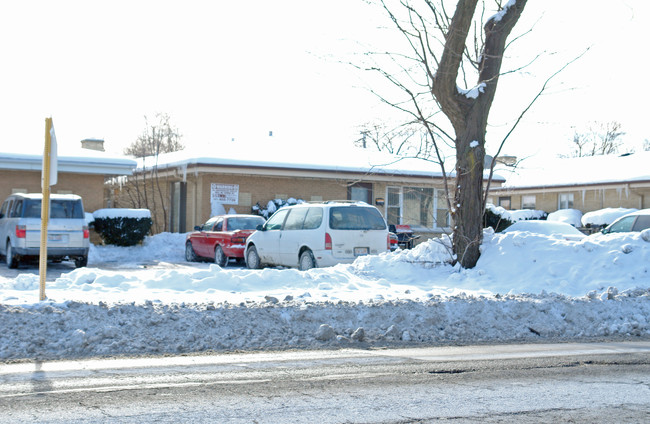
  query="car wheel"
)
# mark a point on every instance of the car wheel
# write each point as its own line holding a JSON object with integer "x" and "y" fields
{"x": 307, "y": 260}
{"x": 12, "y": 260}
{"x": 81, "y": 261}
{"x": 253, "y": 259}
{"x": 219, "y": 257}
{"x": 190, "y": 256}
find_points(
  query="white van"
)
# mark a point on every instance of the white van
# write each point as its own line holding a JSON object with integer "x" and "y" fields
{"x": 20, "y": 228}
{"x": 322, "y": 234}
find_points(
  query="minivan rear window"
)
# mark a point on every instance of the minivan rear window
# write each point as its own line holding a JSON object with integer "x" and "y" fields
{"x": 59, "y": 208}
{"x": 356, "y": 218}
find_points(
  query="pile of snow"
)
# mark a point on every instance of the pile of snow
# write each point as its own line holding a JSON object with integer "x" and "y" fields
{"x": 604, "y": 217}
{"x": 570, "y": 216}
{"x": 525, "y": 288}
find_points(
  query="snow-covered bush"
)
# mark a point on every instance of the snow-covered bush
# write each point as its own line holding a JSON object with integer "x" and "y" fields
{"x": 499, "y": 218}
{"x": 122, "y": 227}
{"x": 274, "y": 205}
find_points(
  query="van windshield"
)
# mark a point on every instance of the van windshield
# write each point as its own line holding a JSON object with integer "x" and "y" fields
{"x": 356, "y": 218}
{"x": 59, "y": 208}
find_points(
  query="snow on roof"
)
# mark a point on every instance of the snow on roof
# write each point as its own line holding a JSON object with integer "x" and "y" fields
{"x": 314, "y": 158}
{"x": 82, "y": 161}
{"x": 39, "y": 196}
{"x": 604, "y": 169}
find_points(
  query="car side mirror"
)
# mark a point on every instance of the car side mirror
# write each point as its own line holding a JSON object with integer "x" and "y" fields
{"x": 604, "y": 231}
{"x": 197, "y": 228}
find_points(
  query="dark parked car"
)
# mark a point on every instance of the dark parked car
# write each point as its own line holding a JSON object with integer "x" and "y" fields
{"x": 220, "y": 238}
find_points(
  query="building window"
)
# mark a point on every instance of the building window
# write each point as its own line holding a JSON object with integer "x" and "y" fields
{"x": 422, "y": 207}
{"x": 528, "y": 202}
{"x": 505, "y": 202}
{"x": 442, "y": 212}
{"x": 565, "y": 201}
{"x": 361, "y": 192}
{"x": 394, "y": 205}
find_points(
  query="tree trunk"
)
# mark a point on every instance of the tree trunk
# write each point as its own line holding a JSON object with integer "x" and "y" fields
{"x": 468, "y": 198}
{"x": 468, "y": 115}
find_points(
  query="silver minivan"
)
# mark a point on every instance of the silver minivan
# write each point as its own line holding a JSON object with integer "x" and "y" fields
{"x": 322, "y": 234}
{"x": 20, "y": 229}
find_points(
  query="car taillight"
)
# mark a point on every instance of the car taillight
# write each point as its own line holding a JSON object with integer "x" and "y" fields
{"x": 21, "y": 231}
{"x": 328, "y": 241}
{"x": 390, "y": 242}
{"x": 86, "y": 232}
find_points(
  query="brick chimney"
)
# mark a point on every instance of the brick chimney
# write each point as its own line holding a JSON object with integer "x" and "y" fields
{"x": 93, "y": 144}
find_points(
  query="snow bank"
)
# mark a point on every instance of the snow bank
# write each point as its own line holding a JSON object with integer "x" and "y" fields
{"x": 524, "y": 288}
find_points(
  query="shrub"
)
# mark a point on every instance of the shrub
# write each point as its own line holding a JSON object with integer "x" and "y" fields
{"x": 274, "y": 205}
{"x": 499, "y": 218}
{"x": 122, "y": 227}
{"x": 494, "y": 220}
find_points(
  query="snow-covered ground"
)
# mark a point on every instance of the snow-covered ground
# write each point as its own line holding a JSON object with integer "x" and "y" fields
{"x": 525, "y": 288}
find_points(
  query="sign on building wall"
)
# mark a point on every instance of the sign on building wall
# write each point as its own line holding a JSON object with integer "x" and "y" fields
{"x": 224, "y": 193}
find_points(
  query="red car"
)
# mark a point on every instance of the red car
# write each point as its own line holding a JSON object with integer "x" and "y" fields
{"x": 220, "y": 238}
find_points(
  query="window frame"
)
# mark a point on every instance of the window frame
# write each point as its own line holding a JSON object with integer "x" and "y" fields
{"x": 523, "y": 201}
{"x": 400, "y": 192}
{"x": 505, "y": 199}
{"x": 569, "y": 198}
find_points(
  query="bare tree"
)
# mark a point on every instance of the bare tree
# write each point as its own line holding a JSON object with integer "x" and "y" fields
{"x": 404, "y": 140}
{"x": 158, "y": 137}
{"x": 599, "y": 139}
{"x": 430, "y": 82}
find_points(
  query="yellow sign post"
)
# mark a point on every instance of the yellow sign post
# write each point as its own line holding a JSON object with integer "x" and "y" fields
{"x": 49, "y": 155}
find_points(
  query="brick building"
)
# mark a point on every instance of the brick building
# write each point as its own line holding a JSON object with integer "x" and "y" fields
{"x": 199, "y": 185}
{"x": 586, "y": 184}
{"x": 83, "y": 173}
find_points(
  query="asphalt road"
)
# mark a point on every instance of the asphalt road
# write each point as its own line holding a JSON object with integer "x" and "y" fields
{"x": 572, "y": 382}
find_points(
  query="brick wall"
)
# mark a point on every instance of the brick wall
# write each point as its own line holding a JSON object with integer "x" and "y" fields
{"x": 587, "y": 200}
{"x": 89, "y": 186}
{"x": 253, "y": 189}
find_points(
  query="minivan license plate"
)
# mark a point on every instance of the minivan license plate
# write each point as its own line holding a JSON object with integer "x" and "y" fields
{"x": 360, "y": 251}
{"x": 55, "y": 237}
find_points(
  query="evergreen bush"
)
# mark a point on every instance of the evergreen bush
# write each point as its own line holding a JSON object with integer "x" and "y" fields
{"x": 122, "y": 227}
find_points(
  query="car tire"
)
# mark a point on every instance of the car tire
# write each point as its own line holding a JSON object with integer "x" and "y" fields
{"x": 190, "y": 256}
{"x": 307, "y": 261}
{"x": 11, "y": 258}
{"x": 81, "y": 261}
{"x": 253, "y": 259}
{"x": 219, "y": 257}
